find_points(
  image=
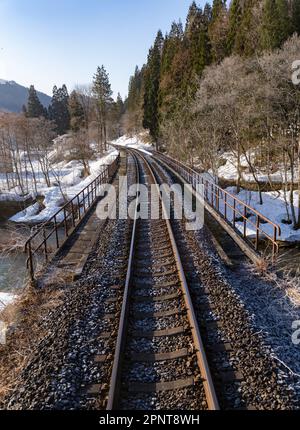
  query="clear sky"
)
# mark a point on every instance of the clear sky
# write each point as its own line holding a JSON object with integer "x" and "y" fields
{"x": 47, "y": 42}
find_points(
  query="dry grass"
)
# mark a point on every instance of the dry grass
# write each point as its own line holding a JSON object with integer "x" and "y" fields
{"x": 23, "y": 318}
{"x": 262, "y": 266}
{"x": 290, "y": 283}
{"x": 56, "y": 276}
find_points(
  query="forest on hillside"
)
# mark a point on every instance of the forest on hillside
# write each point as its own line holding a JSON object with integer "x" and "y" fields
{"x": 224, "y": 82}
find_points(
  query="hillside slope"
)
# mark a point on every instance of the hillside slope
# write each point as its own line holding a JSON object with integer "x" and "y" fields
{"x": 13, "y": 96}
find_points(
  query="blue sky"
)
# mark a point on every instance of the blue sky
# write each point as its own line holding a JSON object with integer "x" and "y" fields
{"x": 47, "y": 42}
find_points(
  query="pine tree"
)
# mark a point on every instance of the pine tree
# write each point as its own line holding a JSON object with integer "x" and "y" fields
{"x": 133, "y": 90}
{"x": 285, "y": 28}
{"x": 134, "y": 103}
{"x": 102, "y": 93}
{"x": 296, "y": 16}
{"x": 235, "y": 17}
{"x": 167, "y": 84}
{"x": 207, "y": 12}
{"x": 120, "y": 105}
{"x": 270, "y": 32}
{"x": 246, "y": 28}
{"x": 176, "y": 31}
{"x": 59, "y": 109}
{"x": 218, "y": 29}
{"x": 217, "y": 9}
{"x": 191, "y": 17}
{"x": 171, "y": 46}
{"x": 77, "y": 119}
{"x": 115, "y": 115}
{"x": 152, "y": 80}
{"x": 35, "y": 109}
{"x": 199, "y": 45}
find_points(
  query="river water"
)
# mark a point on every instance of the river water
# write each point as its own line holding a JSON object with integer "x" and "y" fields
{"x": 12, "y": 265}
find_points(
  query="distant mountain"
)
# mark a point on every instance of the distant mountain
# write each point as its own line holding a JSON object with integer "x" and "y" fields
{"x": 13, "y": 96}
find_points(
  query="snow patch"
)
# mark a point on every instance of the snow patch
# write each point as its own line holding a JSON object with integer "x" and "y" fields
{"x": 229, "y": 170}
{"x": 273, "y": 208}
{"x": 4, "y": 82}
{"x": 6, "y": 299}
{"x": 134, "y": 142}
{"x": 71, "y": 183}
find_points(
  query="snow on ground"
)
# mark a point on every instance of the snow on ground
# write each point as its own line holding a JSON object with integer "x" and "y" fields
{"x": 12, "y": 196}
{"x": 69, "y": 176}
{"x": 134, "y": 142}
{"x": 6, "y": 299}
{"x": 273, "y": 208}
{"x": 229, "y": 170}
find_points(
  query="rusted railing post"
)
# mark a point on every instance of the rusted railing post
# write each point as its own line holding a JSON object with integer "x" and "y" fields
{"x": 274, "y": 244}
{"x": 83, "y": 197}
{"x": 66, "y": 223}
{"x": 45, "y": 245}
{"x": 234, "y": 212}
{"x": 88, "y": 196}
{"x": 30, "y": 259}
{"x": 257, "y": 232}
{"x": 78, "y": 204}
{"x": 245, "y": 221}
{"x": 73, "y": 214}
{"x": 56, "y": 232}
{"x": 68, "y": 210}
{"x": 239, "y": 208}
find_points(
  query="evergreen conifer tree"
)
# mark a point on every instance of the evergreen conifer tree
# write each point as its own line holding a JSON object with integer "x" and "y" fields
{"x": 235, "y": 17}
{"x": 35, "y": 109}
{"x": 296, "y": 16}
{"x": 285, "y": 26}
{"x": 270, "y": 31}
{"x": 152, "y": 80}
{"x": 218, "y": 28}
{"x": 102, "y": 93}
{"x": 77, "y": 119}
{"x": 59, "y": 109}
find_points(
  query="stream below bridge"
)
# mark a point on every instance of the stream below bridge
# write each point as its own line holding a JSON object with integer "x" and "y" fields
{"x": 12, "y": 265}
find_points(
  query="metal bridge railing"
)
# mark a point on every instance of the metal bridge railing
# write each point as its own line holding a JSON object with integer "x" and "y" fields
{"x": 51, "y": 235}
{"x": 230, "y": 208}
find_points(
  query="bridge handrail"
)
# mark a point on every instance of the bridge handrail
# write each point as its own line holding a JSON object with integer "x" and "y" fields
{"x": 214, "y": 194}
{"x": 73, "y": 211}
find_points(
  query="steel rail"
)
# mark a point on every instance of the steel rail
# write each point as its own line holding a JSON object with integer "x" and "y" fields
{"x": 207, "y": 381}
{"x": 199, "y": 175}
{"x": 214, "y": 195}
{"x": 113, "y": 395}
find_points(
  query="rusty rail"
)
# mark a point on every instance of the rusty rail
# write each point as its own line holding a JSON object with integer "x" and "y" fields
{"x": 52, "y": 234}
{"x": 229, "y": 207}
{"x": 115, "y": 382}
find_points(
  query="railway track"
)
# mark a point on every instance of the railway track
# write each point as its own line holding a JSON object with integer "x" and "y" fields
{"x": 159, "y": 360}
{"x": 139, "y": 347}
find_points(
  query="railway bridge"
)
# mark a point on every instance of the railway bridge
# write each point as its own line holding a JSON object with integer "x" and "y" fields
{"x": 161, "y": 328}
